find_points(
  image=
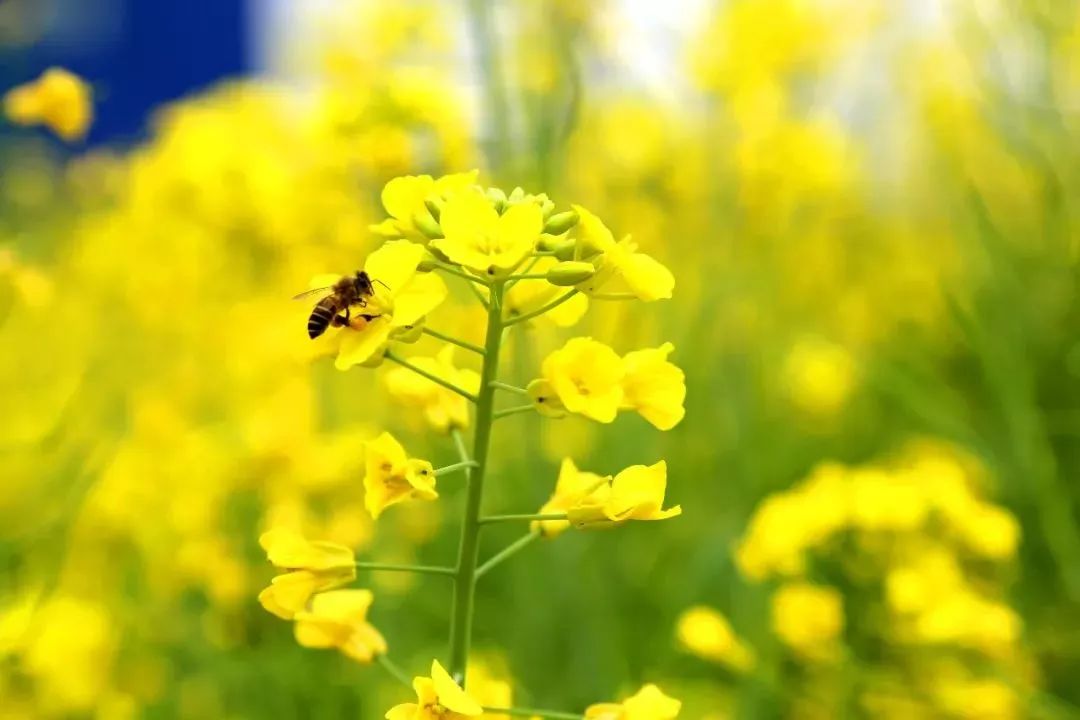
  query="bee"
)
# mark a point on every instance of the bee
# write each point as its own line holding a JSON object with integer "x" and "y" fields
{"x": 334, "y": 308}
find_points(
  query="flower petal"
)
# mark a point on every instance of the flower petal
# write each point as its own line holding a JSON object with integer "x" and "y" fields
{"x": 451, "y": 696}
{"x": 423, "y": 294}
{"x": 394, "y": 264}
{"x": 403, "y": 196}
{"x": 358, "y": 346}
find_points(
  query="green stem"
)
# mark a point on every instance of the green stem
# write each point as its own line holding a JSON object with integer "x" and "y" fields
{"x": 529, "y": 276}
{"x": 540, "y": 311}
{"x": 433, "y": 378}
{"x": 395, "y": 567}
{"x": 459, "y": 444}
{"x": 521, "y": 518}
{"x": 468, "y": 549}
{"x": 613, "y": 296}
{"x": 508, "y": 387}
{"x": 530, "y": 712}
{"x": 506, "y": 412}
{"x": 446, "y": 470}
{"x": 453, "y": 340}
{"x": 507, "y": 552}
{"x": 479, "y": 296}
{"x": 458, "y": 273}
{"x": 396, "y": 672}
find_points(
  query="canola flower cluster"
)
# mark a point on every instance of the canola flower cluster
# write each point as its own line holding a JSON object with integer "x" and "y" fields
{"x": 494, "y": 242}
{"x": 929, "y": 556}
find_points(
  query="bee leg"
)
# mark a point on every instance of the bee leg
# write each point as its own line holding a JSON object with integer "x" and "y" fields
{"x": 369, "y": 318}
{"x": 341, "y": 320}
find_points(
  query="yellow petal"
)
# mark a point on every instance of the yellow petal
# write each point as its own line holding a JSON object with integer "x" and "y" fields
{"x": 288, "y": 549}
{"x": 359, "y": 346}
{"x": 419, "y": 297}
{"x": 647, "y": 277}
{"x": 650, "y": 702}
{"x": 655, "y": 387}
{"x": 288, "y": 594}
{"x": 403, "y": 196}
{"x": 637, "y": 492}
{"x": 404, "y": 711}
{"x": 393, "y": 265}
{"x": 517, "y": 231}
{"x": 451, "y": 696}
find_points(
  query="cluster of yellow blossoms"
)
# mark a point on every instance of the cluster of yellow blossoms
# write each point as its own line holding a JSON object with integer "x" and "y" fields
{"x": 521, "y": 260}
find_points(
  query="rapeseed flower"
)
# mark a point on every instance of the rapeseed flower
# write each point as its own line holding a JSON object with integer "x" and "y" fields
{"x": 405, "y": 198}
{"x": 59, "y": 100}
{"x": 402, "y": 298}
{"x": 338, "y": 619}
{"x": 620, "y": 268}
{"x": 313, "y": 567}
{"x": 443, "y": 409}
{"x": 649, "y": 703}
{"x": 571, "y": 489}
{"x": 636, "y": 493}
{"x": 477, "y": 237}
{"x": 438, "y": 697}
{"x": 392, "y": 477}
{"x": 808, "y": 618}
{"x": 586, "y": 376}
{"x": 707, "y": 634}
{"x": 654, "y": 387}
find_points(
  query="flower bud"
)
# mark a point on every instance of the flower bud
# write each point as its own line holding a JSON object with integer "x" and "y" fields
{"x": 429, "y": 263}
{"x": 551, "y": 243}
{"x": 434, "y": 206}
{"x": 427, "y": 225}
{"x": 559, "y": 223}
{"x": 516, "y": 195}
{"x": 409, "y": 333}
{"x": 497, "y": 198}
{"x": 570, "y": 272}
{"x": 545, "y": 400}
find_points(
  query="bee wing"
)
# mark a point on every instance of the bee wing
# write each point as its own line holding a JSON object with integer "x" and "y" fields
{"x": 313, "y": 291}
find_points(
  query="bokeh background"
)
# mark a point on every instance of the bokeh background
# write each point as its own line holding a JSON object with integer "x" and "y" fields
{"x": 871, "y": 211}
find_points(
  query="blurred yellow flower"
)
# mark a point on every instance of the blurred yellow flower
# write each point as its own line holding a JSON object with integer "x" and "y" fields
{"x": 437, "y": 698}
{"x": 338, "y": 619}
{"x": 479, "y": 238}
{"x": 636, "y": 493}
{"x": 649, "y": 703}
{"x": 488, "y": 689}
{"x": 819, "y": 377}
{"x": 571, "y": 489}
{"x": 59, "y": 99}
{"x": 586, "y": 376}
{"x": 404, "y": 200}
{"x": 443, "y": 409}
{"x": 402, "y": 298}
{"x": 619, "y": 267}
{"x": 808, "y": 618}
{"x": 392, "y": 477}
{"x": 707, "y": 634}
{"x": 526, "y": 296}
{"x": 313, "y": 566}
{"x": 654, "y": 387}
{"x": 989, "y": 531}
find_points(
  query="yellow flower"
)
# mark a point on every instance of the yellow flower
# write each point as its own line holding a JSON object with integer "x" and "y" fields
{"x": 338, "y": 619}
{"x": 808, "y": 618}
{"x": 571, "y": 489}
{"x": 392, "y": 477}
{"x": 313, "y": 566}
{"x": 60, "y": 100}
{"x": 403, "y": 198}
{"x": 586, "y": 376}
{"x": 437, "y": 698}
{"x": 402, "y": 298}
{"x": 443, "y": 409}
{"x": 620, "y": 268}
{"x": 707, "y": 634}
{"x": 819, "y": 377}
{"x": 526, "y": 296}
{"x": 488, "y": 689}
{"x": 636, "y": 493}
{"x": 989, "y": 531}
{"x": 479, "y": 238}
{"x": 654, "y": 387}
{"x": 650, "y": 703}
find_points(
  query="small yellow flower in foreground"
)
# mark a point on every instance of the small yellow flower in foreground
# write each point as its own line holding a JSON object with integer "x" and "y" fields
{"x": 443, "y": 409}
{"x": 58, "y": 99}
{"x": 437, "y": 698}
{"x": 707, "y": 634}
{"x": 392, "y": 477}
{"x": 338, "y": 619}
{"x": 654, "y": 387}
{"x": 650, "y": 703}
{"x": 636, "y": 493}
{"x": 620, "y": 267}
{"x": 403, "y": 198}
{"x": 587, "y": 377}
{"x": 808, "y": 618}
{"x": 477, "y": 237}
{"x": 571, "y": 489}
{"x": 314, "y": 567}
{"x": 402, "y": 298}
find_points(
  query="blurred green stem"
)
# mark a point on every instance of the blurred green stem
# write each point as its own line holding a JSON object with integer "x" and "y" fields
{"x": 430, "y": 376}
{"x": 513, "y": 410}
{"x": 507, "y": 552}
{"x": 522, "y": 518}
{"x": 509, "y": 388}
{"x": 446, "y": 470}
{"x": 453, "y": 340}
{"x": 392, "y": 668}
{"x": 461, "y": 615}
{"x": 540, "y": 311}
{"x": 530, "y": 712}
{"x": 394, "y": 567}
{"x": 482, "y": 27}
